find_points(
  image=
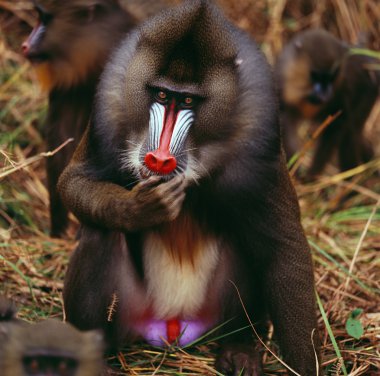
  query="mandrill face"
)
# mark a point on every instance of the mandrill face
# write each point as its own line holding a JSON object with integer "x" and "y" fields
{"x": 171, "y": 117}
{"x": 171, "y": 107}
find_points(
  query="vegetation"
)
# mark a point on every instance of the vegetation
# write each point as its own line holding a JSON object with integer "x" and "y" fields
{"x": 340, "y": 212}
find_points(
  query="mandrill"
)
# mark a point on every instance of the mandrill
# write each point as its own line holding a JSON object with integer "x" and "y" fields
{"x": 318, "y": 76}
{"x": 68, "y": 49}
{"x": 48, "y": 348}
{"x": 185, "y": 201}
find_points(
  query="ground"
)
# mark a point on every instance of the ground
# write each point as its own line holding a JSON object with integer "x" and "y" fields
{"x": 344, "y": 238}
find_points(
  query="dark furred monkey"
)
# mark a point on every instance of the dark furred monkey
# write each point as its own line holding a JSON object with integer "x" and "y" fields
{"x": 181, "y": 187}
{"x": 318, "y": 76}
{"x": 48, "y": 348}
{"x": 68, "y": 48}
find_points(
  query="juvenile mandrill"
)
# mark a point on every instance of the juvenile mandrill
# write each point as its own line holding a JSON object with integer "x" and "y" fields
{"x": 48, "y": 348}
{"x": 68, "y": 49}
{"x": 319, "y": 76}
{"x": 183, "y": 194}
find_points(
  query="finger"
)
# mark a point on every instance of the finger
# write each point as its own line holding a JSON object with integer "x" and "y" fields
{"x": 172, "y": 196}
{"x": 177, "y": 202}
{"x": 149, "y": 183}
{"x": 172, "y": 185}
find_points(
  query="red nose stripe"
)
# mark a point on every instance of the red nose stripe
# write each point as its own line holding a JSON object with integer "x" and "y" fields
{"x": 167, "y": 131}
{"x": 173, "y": 328}
{"x": 160, "y": 160}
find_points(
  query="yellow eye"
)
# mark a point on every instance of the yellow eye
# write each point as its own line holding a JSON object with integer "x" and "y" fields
{"x": 161, "y": 95}
{"x": 188, "y": 101}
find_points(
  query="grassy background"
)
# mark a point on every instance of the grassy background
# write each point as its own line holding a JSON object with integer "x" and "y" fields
{"x": 344, "y": 239}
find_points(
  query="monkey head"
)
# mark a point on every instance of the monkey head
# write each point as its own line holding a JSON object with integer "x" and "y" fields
{"x": 72, "y": 39}
{"x": 181, "y": 187}
{"x": 174, "y": 98}
{"x": 49, "y": 348}
{"x": 308, "y": 73}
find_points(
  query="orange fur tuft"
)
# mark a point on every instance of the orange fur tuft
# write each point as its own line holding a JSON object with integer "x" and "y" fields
{"x": 183, "y": 239}
{"x": 45, "y": 76}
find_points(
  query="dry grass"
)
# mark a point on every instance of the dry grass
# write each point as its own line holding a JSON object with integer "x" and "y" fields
{"x": 344, "y": 238}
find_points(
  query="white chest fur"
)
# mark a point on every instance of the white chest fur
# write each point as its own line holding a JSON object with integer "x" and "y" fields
{"x": 179, "y": 263}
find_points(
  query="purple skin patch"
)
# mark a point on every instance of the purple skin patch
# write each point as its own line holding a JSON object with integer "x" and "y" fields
{"x": 155, "y": 331}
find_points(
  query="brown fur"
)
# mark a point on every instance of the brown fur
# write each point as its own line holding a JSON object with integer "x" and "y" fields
{"x": 169, "y": 245}
{"x": 318, "y": 52}
{"x": 45, "y": 76}
{"x": 68, "y": 49}
{"x": 50, "y": 338}
{"x": 183, "y": 238}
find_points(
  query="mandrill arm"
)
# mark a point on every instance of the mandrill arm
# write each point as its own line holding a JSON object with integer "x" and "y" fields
{"x": 109, "y": 205}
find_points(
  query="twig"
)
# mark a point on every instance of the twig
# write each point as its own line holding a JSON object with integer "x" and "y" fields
{"x": 310, "y": 142}
{"x": 10, "y": 170}
{"x": 360, "y": 243}
{"x": 331, "y": 334}
{"x": 257, "y": 334}
{"x": 112, "y": 307}
{"x": 336, "y": 179}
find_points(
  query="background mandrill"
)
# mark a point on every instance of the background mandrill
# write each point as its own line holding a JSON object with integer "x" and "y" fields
{"x": 48, "y": 348}
{"x": 181, "y": 188}
{"x": 68, "y": 48}
{"x": 318, "y": 76}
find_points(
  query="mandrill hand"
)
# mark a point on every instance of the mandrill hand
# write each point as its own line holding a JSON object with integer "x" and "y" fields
{"x": 153, "y": 202}
{"x": 239, "y": 360}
